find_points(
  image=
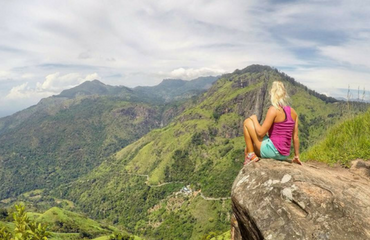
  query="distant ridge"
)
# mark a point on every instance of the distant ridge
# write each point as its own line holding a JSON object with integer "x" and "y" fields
{"x": 94, "y": 87}
{"x": 170, "y": 89}
{"x": 167, "y": 90}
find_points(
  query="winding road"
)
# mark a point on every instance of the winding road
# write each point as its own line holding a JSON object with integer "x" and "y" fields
{"x": 162, "y": 184}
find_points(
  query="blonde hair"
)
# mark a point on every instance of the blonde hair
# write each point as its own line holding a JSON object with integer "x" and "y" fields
{"x": 279, "y": 96}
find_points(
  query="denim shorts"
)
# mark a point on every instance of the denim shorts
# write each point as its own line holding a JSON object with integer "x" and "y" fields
{"x": 268, "y": 150}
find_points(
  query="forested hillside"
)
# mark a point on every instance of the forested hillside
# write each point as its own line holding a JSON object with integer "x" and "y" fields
{"x": 66, "y": 136}
{"x": 203, "y": 148}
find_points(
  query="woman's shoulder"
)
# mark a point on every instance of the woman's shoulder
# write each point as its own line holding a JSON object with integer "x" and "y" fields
{"x": 293, "y": 113}
{"x": 272, "y": 109}
{"x": 292, "y": 110}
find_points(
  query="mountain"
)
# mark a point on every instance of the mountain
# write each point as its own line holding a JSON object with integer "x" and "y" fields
{"x": 170, "y": 89}
{"x": 174, "y": 182}
{"x": 64, "y": 137}
{"x": 96, "y": 87}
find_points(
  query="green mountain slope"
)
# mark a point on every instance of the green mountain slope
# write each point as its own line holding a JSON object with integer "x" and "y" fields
{"x": 66, "y": 225}
{"x": 344, "y": 142}
{"x": 63, "y": 221}
{"x": 65, "y": 136}
{"x": 54, "y": 148}
{"x": 202, "y": 147}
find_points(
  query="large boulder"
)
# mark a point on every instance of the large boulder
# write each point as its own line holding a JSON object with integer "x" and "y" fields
{"x": 280, "y": 200}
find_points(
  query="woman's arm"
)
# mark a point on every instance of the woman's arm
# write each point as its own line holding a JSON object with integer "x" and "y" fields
{"x": 296, "y": 141}
{"x": 266, "y": 125}
{"x": 296, "y": 138}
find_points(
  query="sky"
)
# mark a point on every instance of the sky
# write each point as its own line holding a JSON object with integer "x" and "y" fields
{"x": 48, "y": 46}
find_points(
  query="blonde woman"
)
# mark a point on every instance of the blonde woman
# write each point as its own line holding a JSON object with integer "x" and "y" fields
{"x": 281, "y": 124}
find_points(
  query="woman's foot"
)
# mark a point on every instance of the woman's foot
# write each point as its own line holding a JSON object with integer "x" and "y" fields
{"x": 250, "y": 157}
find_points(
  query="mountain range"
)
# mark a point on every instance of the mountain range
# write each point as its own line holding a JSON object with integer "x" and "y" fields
{"x": 158, "y": 160}
{"x": 65, "y": 136}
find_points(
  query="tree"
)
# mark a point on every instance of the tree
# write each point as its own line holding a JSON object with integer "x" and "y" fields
{"x": 121, "y": 236}
{"x": 25, "y": 229}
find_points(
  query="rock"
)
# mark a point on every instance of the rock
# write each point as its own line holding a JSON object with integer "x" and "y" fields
{"x": 279, "y": 200}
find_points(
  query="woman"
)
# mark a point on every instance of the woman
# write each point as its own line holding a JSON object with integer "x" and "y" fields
{"x": 281, "y": 123}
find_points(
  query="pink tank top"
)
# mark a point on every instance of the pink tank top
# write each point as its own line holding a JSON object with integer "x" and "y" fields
{"x": 281, "y": 133}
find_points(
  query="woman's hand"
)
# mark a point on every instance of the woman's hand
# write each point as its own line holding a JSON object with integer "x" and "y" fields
{"x": 296, "y": 160}
{"x": 269, "y": 120}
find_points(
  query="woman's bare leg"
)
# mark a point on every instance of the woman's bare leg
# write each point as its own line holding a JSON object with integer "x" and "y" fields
{"x": 252, "y": 141}
{"x": 247, "y": 137}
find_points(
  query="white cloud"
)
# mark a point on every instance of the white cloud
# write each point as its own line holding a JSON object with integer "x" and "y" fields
{"x": 93, "y": 76}
{"x": 331, "y": 80}
{"x": 354, "y": 52}
{"x": 26, "y": 94}
{"x": 56, "y": 82}
{"x": 141, "y": 42}
{"x": 19, "y": 92}
{"x": 5, "y": 75}
{"x": 191, "y": 73}
{"x": 27, "y": 75}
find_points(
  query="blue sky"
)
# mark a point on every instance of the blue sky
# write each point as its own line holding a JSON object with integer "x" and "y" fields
{"x": 48, "y": 46}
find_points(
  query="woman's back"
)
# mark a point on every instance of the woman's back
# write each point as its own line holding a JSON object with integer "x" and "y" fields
{"x": 281, "y": 123}
{"x": 281, "y": 131}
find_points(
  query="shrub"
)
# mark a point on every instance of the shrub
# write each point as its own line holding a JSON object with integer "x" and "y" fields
{"x": 25, "y": 229}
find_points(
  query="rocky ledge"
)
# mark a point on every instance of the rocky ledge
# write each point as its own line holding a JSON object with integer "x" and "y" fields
{"x": 279, "y": 200}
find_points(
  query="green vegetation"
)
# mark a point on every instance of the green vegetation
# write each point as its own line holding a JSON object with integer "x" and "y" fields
{"x": 66, "y": 136}
{"x": 63, "y": 221}
{"x": 217, "y": 236}
{"x": 202, "y": 147}
{"x": 346, "y": 141}
{"x": 56, "y": 224}
{"x": 107, "y": 157}
{"x": 54, "y": 149}
{"x": 121, "y": 236}
{"x": 24, "y": 228}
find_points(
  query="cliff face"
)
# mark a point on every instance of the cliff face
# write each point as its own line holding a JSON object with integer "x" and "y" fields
{"x": 279, "y": 200}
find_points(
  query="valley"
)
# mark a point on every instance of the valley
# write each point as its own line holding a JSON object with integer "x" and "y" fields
{"x": 122, "y": 157}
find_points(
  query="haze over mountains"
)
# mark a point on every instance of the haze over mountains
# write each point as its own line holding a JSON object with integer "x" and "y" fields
{"x": 122, "y": 155}
{"x": 81, "y": 125}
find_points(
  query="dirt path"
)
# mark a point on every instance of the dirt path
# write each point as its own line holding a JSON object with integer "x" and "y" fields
{"x": 213, "y": 199}
{"x": 147, "y": 180}
{"x": 162, "y": 184}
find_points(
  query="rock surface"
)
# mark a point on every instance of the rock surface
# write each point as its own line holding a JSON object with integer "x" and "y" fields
{"x": 279, "y": 200}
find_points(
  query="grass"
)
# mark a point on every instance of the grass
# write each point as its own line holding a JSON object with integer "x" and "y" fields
{"x": 58, "y": 219}
{"x": 65, "y": 236}
{"x": 346, "y": 141}
{"x": 224, "y": 236}
{"x": 107, "y": 238}
{"x": 102, "y": 238}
